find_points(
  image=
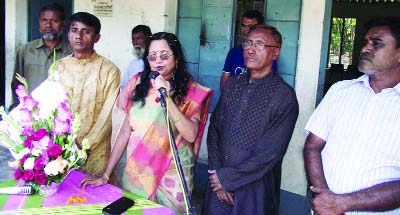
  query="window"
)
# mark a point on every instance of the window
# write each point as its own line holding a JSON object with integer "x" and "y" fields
{"x": 342, "y": 41}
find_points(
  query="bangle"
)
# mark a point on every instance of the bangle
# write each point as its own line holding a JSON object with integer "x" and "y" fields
{"x": 179, "y": 118}
{"x": 106, "y": 176}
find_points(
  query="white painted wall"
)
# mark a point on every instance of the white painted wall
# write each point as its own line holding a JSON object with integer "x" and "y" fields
{"x": 310, "y": 40}
{"x": 15, "y": 17}
{"x": 115, "y": 42}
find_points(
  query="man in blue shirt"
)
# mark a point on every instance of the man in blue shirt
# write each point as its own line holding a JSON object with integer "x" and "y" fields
{"x": 234, "y": 62}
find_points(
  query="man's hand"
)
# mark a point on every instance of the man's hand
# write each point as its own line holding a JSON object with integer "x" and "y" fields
{"x": 222, "y": 195}
{"x": 225, "y": 197}
{"x": 326, "y": 202}
{"x": 214, "y": 180}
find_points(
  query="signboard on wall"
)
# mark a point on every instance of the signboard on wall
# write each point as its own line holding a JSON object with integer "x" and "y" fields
{"x": 103, "y": 8}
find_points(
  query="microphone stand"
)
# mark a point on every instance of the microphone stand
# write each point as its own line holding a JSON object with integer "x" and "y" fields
{"x": 192, "y": 210}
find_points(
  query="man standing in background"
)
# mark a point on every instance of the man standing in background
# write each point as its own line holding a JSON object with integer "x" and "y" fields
{"x": 234, "y": 62}
{"x": 33, "y": 59}
{"x": 140, "y": 34}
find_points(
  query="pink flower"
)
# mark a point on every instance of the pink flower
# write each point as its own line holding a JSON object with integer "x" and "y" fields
{"x": 45, "y": 157}
{"x": 54, "y": 150}
{"x": 39, "y": 164}
{"x": 43, "y": 143}
{"x": 27, "y": 129}
{"x": 61, "y": 127}
{"x": 39, "y": 134}
{"x": 28, "y": 175}
{"x": 26, "y": 115}
{"x": 29, "y": 103}
{"x": 23, "y": 159}
{"x": 21, "y": 92}
{"x": 64, "y": 114}
{"x": 28, "y": 142}
{"x": 40, "y": 178}
{"x": 17, "y": 174}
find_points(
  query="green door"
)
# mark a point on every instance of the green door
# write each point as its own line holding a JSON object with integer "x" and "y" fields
{"x": 205, "y": 30}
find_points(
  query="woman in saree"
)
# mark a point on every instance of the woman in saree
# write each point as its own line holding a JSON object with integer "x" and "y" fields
{"x": 150, "y": 171}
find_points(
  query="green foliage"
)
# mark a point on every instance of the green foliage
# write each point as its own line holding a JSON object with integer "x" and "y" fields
{"x": 342, "y": 38}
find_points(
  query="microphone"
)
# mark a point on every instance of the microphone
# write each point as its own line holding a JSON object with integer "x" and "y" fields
{"x": 153, "y": 75}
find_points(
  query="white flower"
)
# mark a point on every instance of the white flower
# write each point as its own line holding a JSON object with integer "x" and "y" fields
{"x": 56, "y": 166}
{"x": 23, "y": 152}
{"x": 36, "y": 152}
{"x": 29, "y": 163}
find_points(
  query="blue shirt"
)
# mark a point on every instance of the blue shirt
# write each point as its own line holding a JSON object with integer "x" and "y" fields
{"x": 234, "y": 62}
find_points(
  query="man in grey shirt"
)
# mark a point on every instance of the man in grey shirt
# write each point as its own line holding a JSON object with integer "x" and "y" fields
{"x": 33, "y": 59}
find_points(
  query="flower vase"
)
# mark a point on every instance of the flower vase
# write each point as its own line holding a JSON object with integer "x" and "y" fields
{"x": 49, "y": 190}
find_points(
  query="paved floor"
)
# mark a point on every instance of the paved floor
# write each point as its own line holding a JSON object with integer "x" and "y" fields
{"x": 6, "y": 172}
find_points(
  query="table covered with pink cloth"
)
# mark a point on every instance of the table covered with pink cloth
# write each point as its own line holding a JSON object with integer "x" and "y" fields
{"x": 94, "y": 199}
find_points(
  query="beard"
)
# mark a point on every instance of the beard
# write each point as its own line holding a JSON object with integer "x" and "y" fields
{"x": 138, "y": 51}
{"x": 51, "y": 36}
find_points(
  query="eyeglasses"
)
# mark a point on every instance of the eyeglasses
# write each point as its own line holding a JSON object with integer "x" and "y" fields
{"x": 164, "y": 55}
{"x": 258, "y": 45}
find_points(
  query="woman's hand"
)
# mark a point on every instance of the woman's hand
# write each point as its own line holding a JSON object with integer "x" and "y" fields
{"x": 94, "y": 181}
{"x": 160, "y": 82}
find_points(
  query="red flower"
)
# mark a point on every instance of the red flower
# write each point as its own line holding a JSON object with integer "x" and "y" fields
{"x": 39, "y": 164}
{"x": 40, "y": 178}
{"x": 28, "y": 175}
{"x": 39, "y": 134}
{"x": 23, "y": 159}
{"x": 54, "y": 150}
{"x": 17, "y": 174}
{"x": 28, "y": 142}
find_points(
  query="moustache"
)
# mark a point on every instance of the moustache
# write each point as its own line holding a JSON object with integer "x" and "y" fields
{"x": 365, "y": 56}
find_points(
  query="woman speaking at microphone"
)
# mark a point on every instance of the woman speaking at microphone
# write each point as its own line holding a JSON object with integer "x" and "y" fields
{"x": 150, "y": 171}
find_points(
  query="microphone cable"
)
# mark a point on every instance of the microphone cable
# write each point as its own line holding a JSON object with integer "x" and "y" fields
{"x": 175, "y": 160}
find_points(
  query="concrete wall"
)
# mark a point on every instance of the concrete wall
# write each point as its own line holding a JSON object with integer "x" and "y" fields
{"x": 115, "y": 42}
{"x": 307, "y": 72}
{"x": 15, "y": 36}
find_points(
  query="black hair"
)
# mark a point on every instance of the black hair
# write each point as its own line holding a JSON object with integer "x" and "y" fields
{"x": 254, "y": 14}
{"x": 392, "y": 22}
{"x": 54, "y": 7}
{"x": 181, "y": 76}
{"x": 88, "y": 19}
{"x": 142, "y": 28}
{"x": 274, "y": 32}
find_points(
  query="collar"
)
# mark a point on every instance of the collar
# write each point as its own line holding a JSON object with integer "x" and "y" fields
{"x": 85, "y": 61}
{"x": 364, "y": 80}
{"x": 60, "y": 46}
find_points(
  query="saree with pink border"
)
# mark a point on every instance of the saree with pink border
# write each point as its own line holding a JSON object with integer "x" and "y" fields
{"x": 150, "y": 171}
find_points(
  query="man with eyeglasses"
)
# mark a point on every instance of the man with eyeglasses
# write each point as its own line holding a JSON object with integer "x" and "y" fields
{"x": 249, "y": 132}
{"x": 234, "y": 62}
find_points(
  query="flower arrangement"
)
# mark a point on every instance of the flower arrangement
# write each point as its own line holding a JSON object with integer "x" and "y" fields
{"x": 42, "y": 143}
